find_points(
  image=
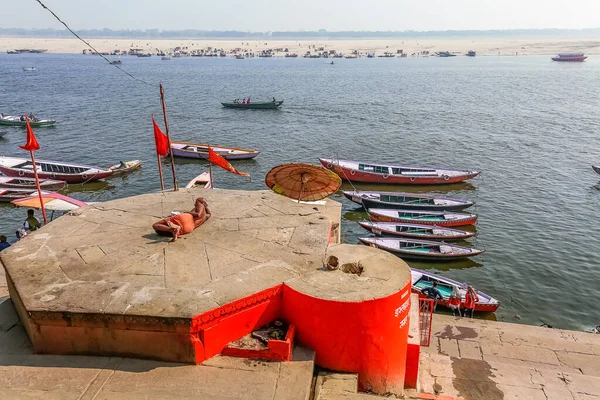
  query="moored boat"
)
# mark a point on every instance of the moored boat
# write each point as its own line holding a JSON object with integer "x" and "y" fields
{"x": 8, "y": 195}
{"x": 68, "y": 172}
{"x": 596, "y": 168}
{"x": 9, "y": 120}
{"x": 415, "y": 231}
{"x": 202, "y": 181}
{"x": 29, "y": 68}
{"x": 570, "y": 57}
{"x": 125, "y": 167}
{"x": 29, "y": 183}
{"x": 421, "y": 249}
{"x": 193, "y": 150}
{"x": 423, "y": 279}
{"x": 258, "y": 105}
{"x": 471, "y": 53}
{"x": 439, "y": 218}
{"x": 360, "y": 171}
{"x": 406, "y": 200}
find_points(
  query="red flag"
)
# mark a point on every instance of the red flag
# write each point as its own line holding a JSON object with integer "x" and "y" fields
{"x": 32, "y": 144}
{"x": 218, "y": 160}
{"x": 162, "y": 142}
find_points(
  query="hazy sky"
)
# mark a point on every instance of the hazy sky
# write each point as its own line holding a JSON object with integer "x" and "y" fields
{"x": 287, "y": 15}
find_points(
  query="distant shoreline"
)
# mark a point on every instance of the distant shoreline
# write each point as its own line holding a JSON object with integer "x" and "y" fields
{"x": 412, "y": 46}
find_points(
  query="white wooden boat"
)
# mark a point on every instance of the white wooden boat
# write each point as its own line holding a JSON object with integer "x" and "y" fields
{"x": 125, "y": 167}
{"x": 415, "y": 231}
{"x": 421, "y": 249}
{"x": 202, "y": 181}
{"x": 8, "y": 182}
{"x": 193, "y": 150}
{"x": 406, "y": 200}
{"x": 56, "y": 170}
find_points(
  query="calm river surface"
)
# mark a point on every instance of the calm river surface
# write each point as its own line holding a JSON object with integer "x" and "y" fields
{"x": 532, "y": 127}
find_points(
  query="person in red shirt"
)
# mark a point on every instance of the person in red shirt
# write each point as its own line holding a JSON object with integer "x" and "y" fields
{"x": 470, "y": 299}
{"x": 184, "y": 223}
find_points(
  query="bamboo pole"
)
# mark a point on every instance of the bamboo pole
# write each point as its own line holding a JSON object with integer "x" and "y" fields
{"x": 160, "y": 172}
{"x": 162, "y": 100}
{"x": 37, "y": 183}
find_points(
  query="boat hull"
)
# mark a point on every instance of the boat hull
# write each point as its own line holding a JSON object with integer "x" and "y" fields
{"x": 455, "y": 205}
{"x": 579, "y": 59}
{"x": 355, "y": 175}
{"x": 130, "y": 166}
{"x": 255, "y": 106}
{"x": 596, "y": 168}
{"x": 27, "y": 183}
{"x": 69, "y": 178}
{"x": 23, "y": 123}
{"x": 228, "y": 153}
{"x": 454, "y": 234}
{"x": 448, "y": 223}
{"x": 429, "y": 256}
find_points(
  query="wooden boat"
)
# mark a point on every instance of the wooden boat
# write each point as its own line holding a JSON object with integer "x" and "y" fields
{"x": 3, "y": 133}
{"x": 424, "y": 279}
{"x": 68, "y": 172}
{"x": 9, "y": 120}
{"x": 8, "y": 182}
{"x": 406, "y": 200}
{"x": 258, "y": 105}
{"x": 8, "y": 195}
{"x": 359, "y": 171}
{"x": 421, "y": 249}
{"x": 115, "y": 62}
{"x": 202, "y": 181}
{"x": 596, "y": 168}
{"x": 438, "y": 218}
{"x": 445, "y": 54}
{"x": 193, "y": 150}
{"x": 415, "y": 231}
{"x": 570, "y": 57}
{"x": 239, "y": 56}
{"x": 125, "y": 167}
{"x": 26, "y": 69}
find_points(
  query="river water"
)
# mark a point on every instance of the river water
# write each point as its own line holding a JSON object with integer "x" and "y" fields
{"x": 529, "y": 124}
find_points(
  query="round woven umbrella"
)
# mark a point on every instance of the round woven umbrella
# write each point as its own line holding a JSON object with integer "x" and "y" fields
{"x": 303, "y": 182}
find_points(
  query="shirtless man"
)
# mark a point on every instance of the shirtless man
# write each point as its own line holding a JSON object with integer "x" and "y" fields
{"x": 184, "y": 223}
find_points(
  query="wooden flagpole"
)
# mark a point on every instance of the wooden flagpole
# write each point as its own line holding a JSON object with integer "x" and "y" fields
{"x": 162, "y": 100}
{"x": 210, "y": 169}
{"x": 162, "y": 183}
{"x": 37, "y": 183}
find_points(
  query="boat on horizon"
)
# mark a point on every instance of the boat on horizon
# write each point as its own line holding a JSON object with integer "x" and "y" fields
{"x": 9, "y": 182}
{"x": 9, "y": 120}
{"x": 596, "y": 168}
{"x": 56, "y": 170}
{"x": 437, "y": 218}
{"x": 424, "y": 279}
{"x": 421, "y": 249}
{"x": 27, "y": 69}
{"x": 362, "y": 171}
{"x": 239, "y": 57}
{"x": 200, "y": 151}
{"x": 445, "y": 54}
{"x": 570, "y": 57}
{"x": 258, "y": 105}
{"x": 115, "y": 62}
{"x": 406, "y": 200}
{"x": 471, "y": 53}
{"x": 415, "y": 231}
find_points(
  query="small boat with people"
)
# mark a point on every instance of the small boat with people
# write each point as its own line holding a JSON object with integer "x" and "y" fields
{"x": 34, "y": 122}
{"x": 8, "y": 194}
{"x": 194, "y": 150}
{"x": 254, "y": 105}
{"x": 421, "y": 249}
{"x": 125, "y": 167}
{"x": 27, "y": 69}
{"x": 415, "y": 231}
{"x": 9, "y": 182}
{"x": 471, "y": 53}
{"x": 202, "y": 181}
{"x": 239, "y": 56}
{"x": 425, "y": 279}
{"x": 596, "y": 168}
{"x": 570, "y": 57}
{"x": 445, "y": 54}
{"x": 3, "y": 133}
{"x": 406, "y": 200}
{"x": 56, "y": 170}
{"x": 399, "y": 174}
{"x": 438, "y": 218}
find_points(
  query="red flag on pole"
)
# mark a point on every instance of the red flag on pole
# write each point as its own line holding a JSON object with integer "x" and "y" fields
{"x": 218, "y": 160}
{"x": 162, "y": 142}
{"x": 31, "y": 146}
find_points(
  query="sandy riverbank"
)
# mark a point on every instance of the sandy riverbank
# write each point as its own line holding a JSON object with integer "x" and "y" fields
{"x": 483, "y": 46}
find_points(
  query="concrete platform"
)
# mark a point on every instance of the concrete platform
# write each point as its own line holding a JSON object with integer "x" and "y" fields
{"x": 100, "y": 281}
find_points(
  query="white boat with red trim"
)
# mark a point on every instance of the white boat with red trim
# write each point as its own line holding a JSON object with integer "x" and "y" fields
{"x": 370, "y": 172}
{"x": 56, "y": 170}
{"x": 8, "y": 182}
{"x": 406, "y": 200}
{"x": 421, "y": 249}
{"x": 437, "y": 218}
{"x": 202, "y": 181}
{"x": 8, "y": 195}
{"x": 415, "y": 231}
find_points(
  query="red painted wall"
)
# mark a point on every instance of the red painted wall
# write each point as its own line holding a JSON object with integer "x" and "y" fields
{"x": 368, "y": 337}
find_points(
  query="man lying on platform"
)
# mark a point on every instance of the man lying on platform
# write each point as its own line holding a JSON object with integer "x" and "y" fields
{"x": 184, "y": 223}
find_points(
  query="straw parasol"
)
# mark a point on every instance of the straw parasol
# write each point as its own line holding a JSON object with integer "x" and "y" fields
{"x": 303, "y": 182}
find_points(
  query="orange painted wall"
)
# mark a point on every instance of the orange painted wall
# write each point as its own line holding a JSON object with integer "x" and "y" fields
{"x": 368, "y": 337}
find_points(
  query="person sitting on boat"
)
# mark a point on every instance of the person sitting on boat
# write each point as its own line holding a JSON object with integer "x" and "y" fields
{"x": 454, "y": 302}
{"x": 433, "y": 293}
{"x": 32, "y": 117}
{"x": 22, "y": 118}
{"x": 3, "y": 243}
{"x": 184, "y": 223}
{"x": 248, "y": 102}
{"x": 274, "y": 100}
{"x": 31, "y": 223}
{"x": 244, "y": 101}
{"x": 470, "y": 299}
{"x": 122, "y": 164}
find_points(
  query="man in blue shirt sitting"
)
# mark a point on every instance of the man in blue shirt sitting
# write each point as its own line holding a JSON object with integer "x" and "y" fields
{"x": 433, "y": 293}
